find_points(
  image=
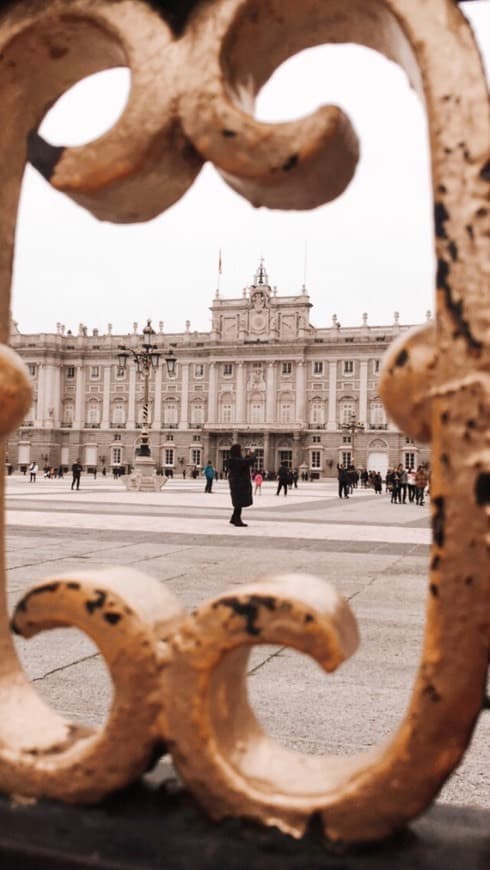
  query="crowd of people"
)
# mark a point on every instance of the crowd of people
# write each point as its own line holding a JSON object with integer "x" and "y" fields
{"x": 402, "y": 484}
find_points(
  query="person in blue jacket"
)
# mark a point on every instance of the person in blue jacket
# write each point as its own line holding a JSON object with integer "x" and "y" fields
{"x": 209, "y": 474}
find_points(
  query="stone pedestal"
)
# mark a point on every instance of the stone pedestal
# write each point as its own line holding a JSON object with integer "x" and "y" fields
{"x": 144, "y": 477}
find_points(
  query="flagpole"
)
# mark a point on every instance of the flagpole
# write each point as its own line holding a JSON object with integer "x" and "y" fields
{"x": 305, "y": 265}
{"x": 220, "y": 269}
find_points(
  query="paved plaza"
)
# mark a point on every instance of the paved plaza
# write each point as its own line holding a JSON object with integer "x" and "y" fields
{"x": 375, "y": 553}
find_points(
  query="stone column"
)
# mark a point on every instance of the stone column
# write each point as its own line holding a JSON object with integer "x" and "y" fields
{"x": 131, "y": 423}
{"x": 270, "y": 397}
{"x": 51, "y": 400}
{"x": 267, "y": 444}
{"x": 212, "y": 410}
{"x": 240, "y": 395}
{"x": 41, "y": 396}
{"x": 106, "y": 398}
{"x": 157, "y": 399}
{"x": 300, "y": 392}
{"x": 57, "y": 395}
{"x": 296, "y": 447}
{"x": 184, "y": 401}
{"x": 332, "y": 396}
{"x": 79, "y": 421}
{"x": 363, "y": 381}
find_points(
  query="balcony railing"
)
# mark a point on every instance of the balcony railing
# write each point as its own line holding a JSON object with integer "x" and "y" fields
{"x": 316, "y": 425}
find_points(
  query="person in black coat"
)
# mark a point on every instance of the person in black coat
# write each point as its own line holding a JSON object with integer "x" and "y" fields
{"x": 283, "y": 479}
{"x": 238, "y": 468}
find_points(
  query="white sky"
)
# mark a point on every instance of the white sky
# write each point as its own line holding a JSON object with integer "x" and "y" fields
{"x": 370, "y": 250}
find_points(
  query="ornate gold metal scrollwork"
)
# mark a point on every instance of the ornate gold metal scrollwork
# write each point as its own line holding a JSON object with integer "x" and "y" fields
{"x": 178, "y": 678}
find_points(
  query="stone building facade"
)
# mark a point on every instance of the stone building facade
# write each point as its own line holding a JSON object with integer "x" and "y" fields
{"x": 263, "y": 375}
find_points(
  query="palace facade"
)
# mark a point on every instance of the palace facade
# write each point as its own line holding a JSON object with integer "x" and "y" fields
{"x": 263, "y": 375}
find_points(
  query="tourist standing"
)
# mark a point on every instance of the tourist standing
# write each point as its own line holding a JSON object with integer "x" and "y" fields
{"x": 258, "y": 480}
{"x": 420, "y": 484}
{"x": 238, "y": 468}
{"x": 283, "y": 479}
{"x": 33, "y": 470}
{"x": 76, "y": 471}
{"x": 209, "y": 474}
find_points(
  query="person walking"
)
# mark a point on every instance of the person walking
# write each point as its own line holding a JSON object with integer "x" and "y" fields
{"x": 76, "y": 471}
{"x": 33, "y": 470}
{"x": 209, "y": 474}
{"x": 238, "y": 468}
{"x": 420, "y": 484}
{"x": 258, "y": 481}
{"x": 343, "y": 479}
{"x": 411, "y": 485}
{"x": 283, "y": 479}
{"x": 403, "y": 484}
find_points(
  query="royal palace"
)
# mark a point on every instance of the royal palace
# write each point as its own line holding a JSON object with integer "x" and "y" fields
{"x": 263, "y": 375}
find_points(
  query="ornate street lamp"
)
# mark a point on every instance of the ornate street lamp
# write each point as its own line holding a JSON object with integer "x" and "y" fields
{"x": 147, "y": 359}
{"x": 352, "y": 426}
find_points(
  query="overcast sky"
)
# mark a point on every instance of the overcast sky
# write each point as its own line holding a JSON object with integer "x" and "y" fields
{"x": 370, "y": 250}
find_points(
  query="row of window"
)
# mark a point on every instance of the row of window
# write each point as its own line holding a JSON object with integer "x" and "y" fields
{"x": 317, "y": 368}
{"x": 195, "y": 456}
{"x": 286, "y": 413}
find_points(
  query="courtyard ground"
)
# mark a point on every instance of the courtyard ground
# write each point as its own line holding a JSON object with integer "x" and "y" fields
{"x": 375, "y": 553}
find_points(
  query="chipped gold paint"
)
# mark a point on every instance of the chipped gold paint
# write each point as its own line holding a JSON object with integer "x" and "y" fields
{"x": 181, "y": 679}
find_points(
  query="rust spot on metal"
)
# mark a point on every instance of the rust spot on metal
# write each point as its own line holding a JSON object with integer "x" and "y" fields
{"x": 441, "y": 215}
{"x": 482, "y": 488}
{"x": 453, "y": 250}
{"x": 97, "y": 602}
{"x": 249, "y": 609}
{"x": 485, "y": 171}
{"x": 290, "y": 163}
{"x": 402, "y": 358}
{"x": 112, "y": 618}
{"x": 57, "y": 51}
{"x": 438, "y": 520}
{"x": 455, "y": 308}
{"x": 38, "y": 590}
{"x": 432, "y": 693}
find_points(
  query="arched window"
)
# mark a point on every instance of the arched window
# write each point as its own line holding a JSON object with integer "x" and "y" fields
{"x": 377, "y": 414}
{"x": 170, "y": 413}
{"x": 68, "y": 413}
{"x": 347, "y": 410}
{"x": 256, "y": 413}
{"x": 226, "y": 408}
{"x": 317, "y": 411}
{"x": 118, "y": 414}
{"x": 93, "y": 413}
{"x": 197, "y": 414}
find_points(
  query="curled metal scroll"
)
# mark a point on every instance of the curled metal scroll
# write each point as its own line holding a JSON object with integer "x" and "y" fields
{"x": 191, "y": 98}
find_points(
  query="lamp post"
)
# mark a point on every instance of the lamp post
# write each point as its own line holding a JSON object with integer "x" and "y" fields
{"x": 147, "y": 359}
{"x": 352, "y": 426}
